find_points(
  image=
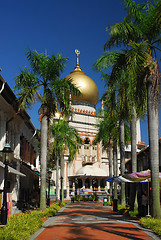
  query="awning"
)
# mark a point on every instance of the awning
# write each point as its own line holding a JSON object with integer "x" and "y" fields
{"x": 12, "y": 170}
{"x": 118, "y": 179}
{"x": 37, "y": 173}
{"x": 142, "y": 177}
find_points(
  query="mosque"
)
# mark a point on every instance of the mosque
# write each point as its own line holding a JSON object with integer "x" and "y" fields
{"x": 90, "y": 167}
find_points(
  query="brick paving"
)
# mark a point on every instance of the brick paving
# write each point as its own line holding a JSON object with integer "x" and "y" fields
{"x": 86, "y": 220}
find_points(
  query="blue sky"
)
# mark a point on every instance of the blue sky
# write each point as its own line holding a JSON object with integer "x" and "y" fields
{"x": 54, "y": 26}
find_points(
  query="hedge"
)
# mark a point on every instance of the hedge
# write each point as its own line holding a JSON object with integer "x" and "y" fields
{"x": 23, "y": 225}
{"x": 152, "y": 223}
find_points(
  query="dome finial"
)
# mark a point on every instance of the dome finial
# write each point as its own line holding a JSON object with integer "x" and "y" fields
{"x": 77, "y": 52}
{"x": 77, "y": 66}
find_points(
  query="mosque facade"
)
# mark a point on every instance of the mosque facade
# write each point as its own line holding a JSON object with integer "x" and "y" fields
{"x": 90, "y": 167}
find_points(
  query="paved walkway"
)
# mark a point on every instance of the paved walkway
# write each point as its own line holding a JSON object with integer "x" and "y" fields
{"x": 86, "y": 220}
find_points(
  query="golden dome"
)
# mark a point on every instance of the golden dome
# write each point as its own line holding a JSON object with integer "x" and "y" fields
{"x": 87, "y": 87}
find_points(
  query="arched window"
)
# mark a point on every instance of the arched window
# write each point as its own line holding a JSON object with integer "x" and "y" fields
{"x": 87, "y": 183}
{"x": 80, "y": 183}
{"x": 87, "y": 141}
{"x": 102, "y": 184}
{"x": 94, "y": 184}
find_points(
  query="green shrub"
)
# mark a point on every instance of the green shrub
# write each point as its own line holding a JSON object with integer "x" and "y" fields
{"x": 84, "y": 198}
{"x": 93, "y": 197}
{"x": 125, "y": 211}
{"x": 109, "y": 203}
{"x": 56, "y": 206}
{"x": 122, "y": 211}
{"x": 63, "y": 203}
{"x": 121, "y": 207}
{"x": 151, "y": 223}
{"x": 134, "y": 213}
{"x": 50, "y": 212}
{"x": 77, "y": 197}
{"x": 23, "y": 225}
{"x": 96, "y": 197}
{"x": 90, "y": 198}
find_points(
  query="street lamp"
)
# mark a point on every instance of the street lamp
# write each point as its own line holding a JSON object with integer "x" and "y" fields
{"x": 126, "y": 189}
{"x": 49, "y": 177}
{"x": 94, "y": 181}
{"x": 6, "y": 155}
{"x": 76, "y": 185}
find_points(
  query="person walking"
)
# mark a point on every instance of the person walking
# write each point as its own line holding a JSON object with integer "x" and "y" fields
{"x": 72, "y": 196}
{"x": 144, "y": 204}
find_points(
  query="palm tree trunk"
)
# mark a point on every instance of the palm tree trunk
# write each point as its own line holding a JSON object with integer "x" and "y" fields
{"x": 57, "y": 178}
{"x": 133, "y": 141}
{"x": 153, "y": 125}
{"x": 122, "y": 160}
{"x": 62, "y": 176}
{"x": 110, "y": 168}
{"x": 133, "y": 197}
{"x": 115, "y": 168}
{"x": 43, "y": 162}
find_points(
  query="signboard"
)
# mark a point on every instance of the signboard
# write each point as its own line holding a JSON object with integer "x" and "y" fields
{"x": 52, "y": 191}
{"x": 85, "y": 191}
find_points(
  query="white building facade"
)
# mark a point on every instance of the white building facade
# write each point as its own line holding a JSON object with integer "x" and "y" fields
{"x": 17, "y": 130}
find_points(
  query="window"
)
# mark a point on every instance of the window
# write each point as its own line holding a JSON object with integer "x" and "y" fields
{"x": 86, "y": 147}
{"x": 87, "y": 141}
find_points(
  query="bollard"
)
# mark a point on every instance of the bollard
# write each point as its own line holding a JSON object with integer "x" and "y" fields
{"x": 105, "y": 201}
{"x": 115, "y": 201}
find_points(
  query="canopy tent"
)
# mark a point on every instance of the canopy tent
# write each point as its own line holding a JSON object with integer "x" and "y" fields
{"x": 118, "y": 179}
{"x": 140, "y": 177}
{"x": 143, "y": 176}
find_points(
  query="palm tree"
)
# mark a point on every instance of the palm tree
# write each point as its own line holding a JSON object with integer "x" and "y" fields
{"x": 141, "y": 26}
{"x": 65, "y": 137}
{"x": 42, "y": 81}
{"x": 129, "y": 93}
{"x": 116, "y": 97}
{"x": 105, "y": 138}
{"x": 109, "y": 134}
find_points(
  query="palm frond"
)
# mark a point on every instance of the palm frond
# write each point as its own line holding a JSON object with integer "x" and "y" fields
{"x": 38, "y": 61}
{"x": 55, "y": 66}
{"x": 27, "y": 86}
{"x": 63, "y": 90}
{"x": 121, "y": 33}
{"x": 65, "y": 136}
{"x": 134, "y": 11}
{"x": 105, "y": 61}
{"x": 26, "y": 78}
{"x": 27, "y": 97}
{"x": 158, "y": 12}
